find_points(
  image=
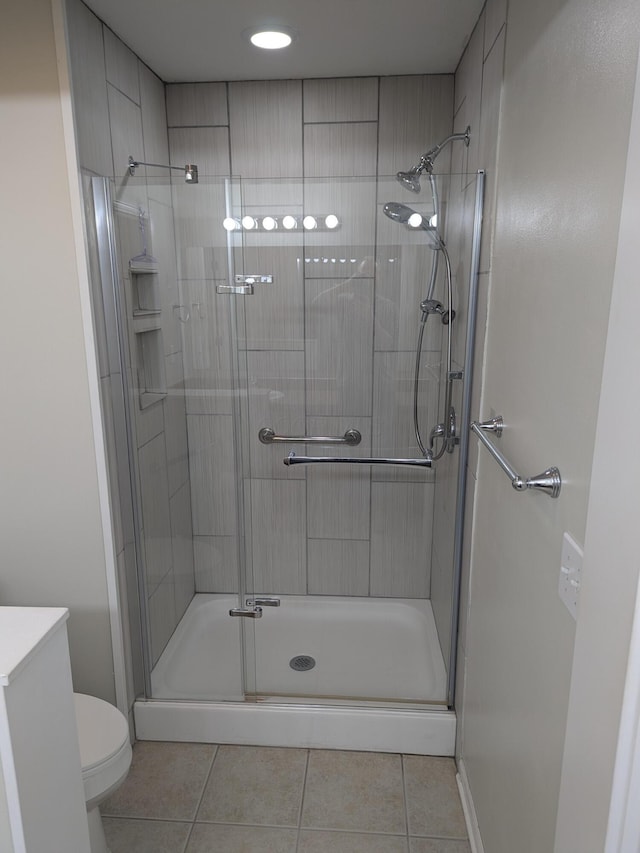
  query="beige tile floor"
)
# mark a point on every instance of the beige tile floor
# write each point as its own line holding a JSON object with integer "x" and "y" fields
{"x": 201, "y": 798}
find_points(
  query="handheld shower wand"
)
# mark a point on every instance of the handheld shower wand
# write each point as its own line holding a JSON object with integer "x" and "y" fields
{"x": 406, "y": 216}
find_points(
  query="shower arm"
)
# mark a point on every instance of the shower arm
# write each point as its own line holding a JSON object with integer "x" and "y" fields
{"x": 427, "y": 160}
{"x": 190, "y": 170}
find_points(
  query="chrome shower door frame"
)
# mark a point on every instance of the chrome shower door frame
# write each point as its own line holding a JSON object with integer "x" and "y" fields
{"x": 465, "y": 420}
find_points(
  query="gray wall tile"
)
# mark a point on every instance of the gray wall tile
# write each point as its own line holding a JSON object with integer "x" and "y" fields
{"x": 340, "y": 149}
{"x": 207, "y": 361}
{"x": 88, "y": 75}
{"x": 175, "y": 424}
{"x": 154, "y": 120}
{"x": 126, "y": 133}
{"x": 415, "y": 114}
{"x": 207, "y": 147}
{"x": 213, "y": 479}
{"x": 339, "y": 328}
{"x": 275, "y": 313}
{"x": 165, "y": 283}
{"x": 266, "y": 128}
{"x": 338, "y": 497}
{"x": 197, "y": 104}
{"x": 393, "y": 431}
{"x": 156, "y": 516}
{"x": 199, "y": 212}
{"x": 495, "y": 15}
{"x": 401, "y": 522}
{"x": 341, "y": 99}
{"x": 121, "y": 66}
{"x": 492, "y": 73}
{"x": 468, "y": 88}
{"x": 182, "y": 549}
{"x": 276, "y": 399}
{"x": 338, "y": 566}
{"x": 353, "y": 201}
{"x": 162, "y": 616}
{"x": 216, "y": 563}
{"x": 279, "y": 551}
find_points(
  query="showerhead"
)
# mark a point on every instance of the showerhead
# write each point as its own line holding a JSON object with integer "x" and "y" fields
{"x": 410, "y": 179}
{"x": 407, "y": 216}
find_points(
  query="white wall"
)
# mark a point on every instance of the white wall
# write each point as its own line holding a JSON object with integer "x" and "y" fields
{"x": 611, "y": 565}
{"x": 568, "y": 82}
{"x": 50, "y": 521}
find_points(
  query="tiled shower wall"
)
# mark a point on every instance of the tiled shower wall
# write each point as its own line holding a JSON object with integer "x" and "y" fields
{"x": 330, "y": 345}
{"x": 119, "y": 108}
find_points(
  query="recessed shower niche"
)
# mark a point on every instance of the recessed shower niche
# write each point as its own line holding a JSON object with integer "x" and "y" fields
{"x": 144, "y": 310}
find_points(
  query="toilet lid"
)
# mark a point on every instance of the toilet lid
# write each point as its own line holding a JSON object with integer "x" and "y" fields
{"x": 102, "y": 730}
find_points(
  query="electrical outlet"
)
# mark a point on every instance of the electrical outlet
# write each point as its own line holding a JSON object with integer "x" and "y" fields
{"x": 570, "y": 574}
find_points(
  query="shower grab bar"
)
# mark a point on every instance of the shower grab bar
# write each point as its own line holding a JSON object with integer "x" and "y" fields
{"x": 292, "y": 459}
{"x": 548, "y": 481}
{"x": 268, "y": 436}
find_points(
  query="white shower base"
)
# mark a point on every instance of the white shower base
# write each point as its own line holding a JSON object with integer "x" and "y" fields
{"x": 367, "y": 652}
{"x": 365, "y": 648}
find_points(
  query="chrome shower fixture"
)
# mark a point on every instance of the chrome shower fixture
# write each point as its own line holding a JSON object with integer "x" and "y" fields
{"x": 190, "y": 170}
{"x": 407, "y": 216}
{"x": 411, "y": 178}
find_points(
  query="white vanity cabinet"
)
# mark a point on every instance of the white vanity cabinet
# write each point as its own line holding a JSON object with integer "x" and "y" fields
{"x": 42, "y": 804}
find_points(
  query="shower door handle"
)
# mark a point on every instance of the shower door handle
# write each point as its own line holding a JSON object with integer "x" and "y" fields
{"x": 247, "y": 612}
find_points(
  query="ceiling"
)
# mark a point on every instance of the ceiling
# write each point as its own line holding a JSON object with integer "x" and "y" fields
{"x": 197, "y": 40}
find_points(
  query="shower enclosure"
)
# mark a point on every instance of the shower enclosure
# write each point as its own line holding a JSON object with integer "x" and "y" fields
{"x": 296, "y": 552}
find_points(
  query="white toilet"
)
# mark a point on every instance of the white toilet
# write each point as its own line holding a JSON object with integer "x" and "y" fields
{"x": 105, "y": 755}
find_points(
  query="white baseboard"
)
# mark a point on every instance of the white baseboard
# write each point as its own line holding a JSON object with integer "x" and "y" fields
{"x": 473, "y": 830}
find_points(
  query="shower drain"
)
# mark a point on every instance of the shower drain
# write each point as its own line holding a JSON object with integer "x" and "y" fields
{"x": 301, "y": 663}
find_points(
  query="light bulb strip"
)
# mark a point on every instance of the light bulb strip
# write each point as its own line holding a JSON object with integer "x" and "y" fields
{"x": 283, "y": 223}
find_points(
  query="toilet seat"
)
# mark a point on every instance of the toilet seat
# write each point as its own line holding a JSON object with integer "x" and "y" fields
{"x": 105, "y": 751}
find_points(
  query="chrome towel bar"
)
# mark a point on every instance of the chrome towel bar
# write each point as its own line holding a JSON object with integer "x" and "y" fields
{"x": 292, "y": 459}
{"x": 268, "y": 436}
{"x": 548, "y": 481}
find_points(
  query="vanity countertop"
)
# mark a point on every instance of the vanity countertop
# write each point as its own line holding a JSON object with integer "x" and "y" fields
{"x": 23, "y": 630}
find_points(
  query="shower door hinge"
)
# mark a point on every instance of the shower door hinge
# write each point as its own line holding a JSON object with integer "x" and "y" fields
{"x": 263, "y": 602}
{"x": 241, "y": 290}
{"x": 248, "y": 612}
{"x": 456, "y": 374}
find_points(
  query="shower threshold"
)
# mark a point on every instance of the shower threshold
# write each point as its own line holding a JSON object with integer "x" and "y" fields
{"x": 378, "y": 682}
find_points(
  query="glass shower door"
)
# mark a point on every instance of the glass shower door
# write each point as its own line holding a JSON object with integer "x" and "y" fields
{"x": 161, "y": 263}
{"x": 327, "y": 351}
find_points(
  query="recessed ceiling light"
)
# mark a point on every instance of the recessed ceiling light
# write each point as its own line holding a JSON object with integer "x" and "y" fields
{"x": 271, "y": 39}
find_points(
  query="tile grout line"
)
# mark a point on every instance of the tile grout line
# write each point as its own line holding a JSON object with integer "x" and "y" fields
{"x": 304, "y": 786}
{"x": 405, "y": 799}
{"x": 204, "y": 788}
